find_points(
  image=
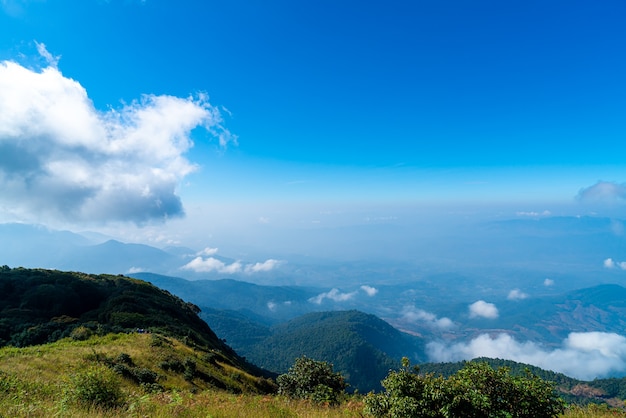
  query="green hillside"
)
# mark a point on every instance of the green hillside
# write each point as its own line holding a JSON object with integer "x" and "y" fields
{"x": 360, "y": 346}
{"x": 40, "y": 306}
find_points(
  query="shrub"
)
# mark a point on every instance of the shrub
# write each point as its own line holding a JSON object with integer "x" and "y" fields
{"x": 81, "y": 333}
{"x": 311, "y": 379}
{"x": 97, "y": 387}
{"x": 477, "y": 391}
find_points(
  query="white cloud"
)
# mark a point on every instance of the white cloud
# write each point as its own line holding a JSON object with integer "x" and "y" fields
{"x": 60, "y": 158}
{"x": 136, "y": 270}
{"x": 516, "y": 294}
{"x": 609, "y": 263}
{"x": 212, "y": 264}
{"x": 267, "y": 265}
{"x": 534, "y": 214}
{"x": 581, "y": 355}
{"x": 208, "y": 251}
{"x": 548, "y": 282}
{"x": 271, "y": 306}
{"x": 371, "y": 291}
{"x": 603, "y": 191}
{"x": 334, "y": 295}
{"x": 53, "y": 61}
{"x": 413, "y": 314}
{"x": 483, "y": 309}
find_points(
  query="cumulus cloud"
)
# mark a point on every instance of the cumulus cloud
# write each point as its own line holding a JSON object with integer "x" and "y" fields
{"x": 482, "y": 309}
{"x": 583, "y": 355}
{"x": 413, "y": 314}
{"x": 267, "y": 265}
{"x": 603, "y": 191}
{"x": 60, "y": 157}
{"x": 516, "y": 294}
{"x": 212, "y": 264}
{"x": 334, "y": 295}
{"x": 548, "y": 282}
{"x": 208, "y": 251}
{"x": 371, "y": 291}
{"x": 609, "y": 263}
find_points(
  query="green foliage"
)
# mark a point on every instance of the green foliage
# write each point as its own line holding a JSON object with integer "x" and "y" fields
{"x": 39, "y": 306}
{"x": 311, "y": 379}
{"x": 97, "y": 387}
{"x": 476, "y": 391}
{"x": 360, "y": 346}
{"x": 81, "y": 333}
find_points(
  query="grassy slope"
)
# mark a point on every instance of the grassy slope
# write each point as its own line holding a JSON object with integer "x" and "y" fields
{"x": 37, "y": 382}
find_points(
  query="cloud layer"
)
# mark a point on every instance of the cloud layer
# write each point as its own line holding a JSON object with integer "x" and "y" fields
{"x": 62, "y": 158}
{"x": 214, "y": 265}
{"x": 583, "y": 355}
{"x": 413, "y": 314}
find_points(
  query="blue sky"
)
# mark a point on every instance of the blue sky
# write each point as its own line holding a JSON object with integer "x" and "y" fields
{"x": 324, "y": 107}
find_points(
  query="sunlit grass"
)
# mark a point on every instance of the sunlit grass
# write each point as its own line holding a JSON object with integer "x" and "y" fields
{"x": 36, "y": 382}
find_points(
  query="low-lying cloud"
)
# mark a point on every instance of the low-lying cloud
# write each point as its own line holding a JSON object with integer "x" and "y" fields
{"x": 415, "y": 315}
{"x": 61, "y": 158}
{"x": 334, "y": 294}
{"x": 603, "y": 191}
{"x": 517, "y": 294}
{"x": 609, "y": 263}
{"x": 482, "y": 309}
{"x": 371, "y": 291}
{"x": 214, "y": 265}
{"x": 583, "y": 355}
{"x": 338, "y": 296}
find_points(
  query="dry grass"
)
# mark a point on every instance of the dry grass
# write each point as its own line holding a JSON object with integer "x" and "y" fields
{"x": 35, "y": 383}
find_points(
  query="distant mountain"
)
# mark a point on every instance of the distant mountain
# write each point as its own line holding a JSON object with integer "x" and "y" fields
{"x": 361, "y": 346}
{"x": 28, "y": 245}
{"x": 275, "y": 303}
{"x": 116, "y": 257}
{"x": 35, "y": 246}
{"x": 550, "y": 319}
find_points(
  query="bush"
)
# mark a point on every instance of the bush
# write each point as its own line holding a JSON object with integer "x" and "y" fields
{"x": 97, "y": 387}
{"x": 477, "y": 391}
{"x": 81, "y": 333}
{"x": 311, "y": 379}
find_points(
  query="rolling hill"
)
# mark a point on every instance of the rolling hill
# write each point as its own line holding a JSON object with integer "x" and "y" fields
{"x": 40, "y": 306}
{"x": 361, "y": 346}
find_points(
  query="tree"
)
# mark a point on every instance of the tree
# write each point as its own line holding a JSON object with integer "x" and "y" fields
{"x": 477, "y": 390}
{"x": 311, "y": 379}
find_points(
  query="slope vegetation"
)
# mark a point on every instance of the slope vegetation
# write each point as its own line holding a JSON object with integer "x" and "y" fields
{"x": 361, "y": 346}
{"x": 40, "y": 306}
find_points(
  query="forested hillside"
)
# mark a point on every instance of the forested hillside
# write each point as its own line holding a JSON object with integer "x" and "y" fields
{"x": 361, "y": 346}
{"x": 40, "y": 306}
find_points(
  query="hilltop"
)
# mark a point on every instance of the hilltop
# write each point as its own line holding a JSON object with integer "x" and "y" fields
{"x": 361, "y": 346}
{"x": 40, "y": 306}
